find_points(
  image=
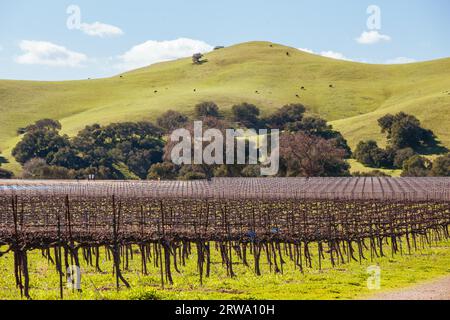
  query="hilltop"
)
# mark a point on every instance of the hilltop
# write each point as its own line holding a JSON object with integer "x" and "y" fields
{"x": 350, "y": 95}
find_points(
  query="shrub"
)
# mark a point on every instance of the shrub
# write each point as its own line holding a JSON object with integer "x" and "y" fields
{"x": 369, "y": 154}
{"x": 319, "y": 127}
{"x": 441, "y": 166}
{"x": 246, "y": 114}
{"x": 162, "y": 171}
{"x": 39, "y": 169}
{"x": 39, "y": 143}
{"x": 146, "y": 295}
{"x": 194, "y": 172}
{"x": 416, "y": 166}
{"x": 47, "y": 124}
{"x": 251, "y": 171}
{"x": 405, "y": 131}
{"x": 402, "y": 155}
{"x": 206, "y": 109}
{"x": 305, "y": 155}
{"x": 285, "y": 116}
{"x": 171, "y": 120}
{"x": 5, "y": 174}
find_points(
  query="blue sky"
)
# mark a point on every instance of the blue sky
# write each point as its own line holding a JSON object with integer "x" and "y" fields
{"x": 113, "y": 36}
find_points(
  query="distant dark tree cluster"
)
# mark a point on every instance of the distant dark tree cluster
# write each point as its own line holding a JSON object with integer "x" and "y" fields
{"x": 306, "y": 155}
{"x": 285, "y": 117}
{"x": 171, "y": 120}
{"x": 301, "y": 153}
{"x": 49, "y": 124}
{"x": 320, "y": 128}
{"x": 405, "y": 140}
{"x": 418, "y": 166}
{"x": 441, "y": 166}
{"x": 405, "y": 131}
{"x": 206, "y": 109}
{"x": 98, "y": 150}
{"x": 4, "y": 174}
{"x": 41, "y": 124}
{"x": 163, "y": 171}
{"x": 195, "y": 172}
{"x": 37, "y": 168}
{"x": 369, "y": 154}
{"x": 40, "y": 141}
{"x": 247, "y": 115}
{"x": 137, "y": 145}
{"x": 2, "y": 160}
{"x": 403, "y": 155}
{"x": 140, "y": 150}
{"x": 292, "y": 118}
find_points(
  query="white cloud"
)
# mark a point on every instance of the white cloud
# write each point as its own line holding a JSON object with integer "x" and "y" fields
{"x": 306, "y": 50}
{"x": 98, "y": 29}
{"x": 334, "y": 55}
{"x": 340, "y": 56}
{"x": 151, "y": 52}
{"x": 400, "y": 60}
{"x": 372, "y": 37}
{"x": 49, "y": 54}
{"x": 327, "y": 54}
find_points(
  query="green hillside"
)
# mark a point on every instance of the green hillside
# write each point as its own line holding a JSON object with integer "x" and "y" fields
{"x": 359, "y": 95}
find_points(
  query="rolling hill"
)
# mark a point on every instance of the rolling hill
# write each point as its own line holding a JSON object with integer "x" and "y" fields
{"x": 268, "y": 75}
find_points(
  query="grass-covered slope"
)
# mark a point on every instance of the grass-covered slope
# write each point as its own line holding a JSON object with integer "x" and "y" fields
{"x": 256, "y": 72}
{"x": 347, "y": 281}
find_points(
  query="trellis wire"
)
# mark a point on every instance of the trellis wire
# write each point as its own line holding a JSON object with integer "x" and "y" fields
{"x": 279, "y": 217}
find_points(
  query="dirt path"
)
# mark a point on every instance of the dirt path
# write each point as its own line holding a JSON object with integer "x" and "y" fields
{"x": 435, "y": 290}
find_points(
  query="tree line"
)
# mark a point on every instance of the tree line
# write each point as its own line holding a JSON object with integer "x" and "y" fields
{"x": 139, "y": 150}
{"x": 309, "y": 147}
{"x": 406, "y": 141}
{"x": 4, "y": 174}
